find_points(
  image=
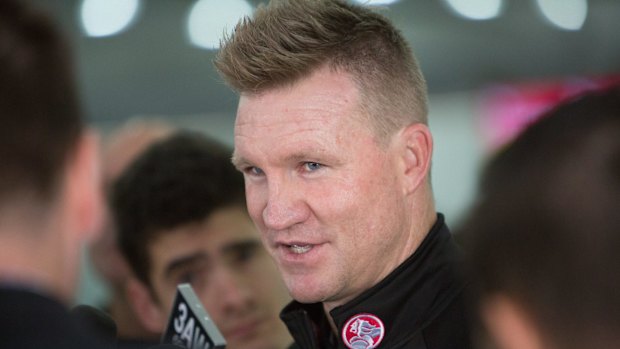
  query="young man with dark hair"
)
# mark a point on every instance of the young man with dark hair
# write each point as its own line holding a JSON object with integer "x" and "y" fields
{"x": 543, "y": 242}
{"x": 332, "y": 137}
{"x": 181, "y": 217}
{"x": 50, "y": 200}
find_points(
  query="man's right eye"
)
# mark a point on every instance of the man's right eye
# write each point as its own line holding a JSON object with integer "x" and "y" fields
{"x": 254, "y": 171}
{"x": 186, "y": 278}
{"x": 197, "y": 278}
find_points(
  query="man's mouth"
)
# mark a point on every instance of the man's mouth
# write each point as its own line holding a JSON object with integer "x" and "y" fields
{"x": 299, "y": 249}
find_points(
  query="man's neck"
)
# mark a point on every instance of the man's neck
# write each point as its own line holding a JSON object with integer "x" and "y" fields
{"x": 426, "y": 217}
{"x": 24, "y": 261}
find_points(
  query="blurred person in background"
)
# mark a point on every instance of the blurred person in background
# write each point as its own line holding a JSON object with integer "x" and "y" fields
{"x": 542, "y": 244}
{"x": 50, "y": 197}
{"x": 181, "y": 217}
{"x": 332, "y": 137}
{"x": 120, "y": 148}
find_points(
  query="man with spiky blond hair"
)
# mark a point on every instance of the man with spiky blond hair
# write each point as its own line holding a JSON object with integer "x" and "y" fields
{"x": 332, "y": 137}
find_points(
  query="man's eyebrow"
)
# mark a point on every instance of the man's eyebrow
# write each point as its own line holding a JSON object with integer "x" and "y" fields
{"x": 238, "y": 161}
{"x": 241, "y": 245}
{"x": 184, "y": 261}
{"x": 297, "y": 157}
{"x": 311, "y": 155}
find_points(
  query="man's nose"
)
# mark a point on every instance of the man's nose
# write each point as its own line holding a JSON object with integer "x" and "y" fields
{"x": 285, "y": 205}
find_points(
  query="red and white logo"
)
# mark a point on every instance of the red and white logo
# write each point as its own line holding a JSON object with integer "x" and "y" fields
{"x": 363, "y": 331}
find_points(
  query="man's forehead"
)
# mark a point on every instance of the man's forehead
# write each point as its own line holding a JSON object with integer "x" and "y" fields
{"x": 325, "y": 88}
{"x": 308, "y": 123}
{"x": 311, "y": 113}
{"x": 297, "y": 144}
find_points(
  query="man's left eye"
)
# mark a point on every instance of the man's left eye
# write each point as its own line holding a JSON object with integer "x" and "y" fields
{"x": 312, "y": 166}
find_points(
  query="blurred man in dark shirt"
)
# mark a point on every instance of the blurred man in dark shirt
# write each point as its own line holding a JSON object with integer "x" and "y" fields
{"x": 50, "y": 200}
{"x": 543, "y": 242}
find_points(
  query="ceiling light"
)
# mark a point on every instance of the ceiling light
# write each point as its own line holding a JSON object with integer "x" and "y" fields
{"x": 476, "y": 9}
{"x": 107, "y": 17}
{"x": 209, "y": 19}
{"x": 566, "y": 14}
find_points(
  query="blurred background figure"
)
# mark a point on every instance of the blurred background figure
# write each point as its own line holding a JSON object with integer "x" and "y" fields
{"x": 543, "y": 241}
{"x": 50, "y": 197}
{"x": 181, "y": 217}
{"x": 120, "y": 148}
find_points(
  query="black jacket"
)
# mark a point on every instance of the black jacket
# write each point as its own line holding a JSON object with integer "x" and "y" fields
{"x": 29, "y": 320}
{"x": 421, "y": 305}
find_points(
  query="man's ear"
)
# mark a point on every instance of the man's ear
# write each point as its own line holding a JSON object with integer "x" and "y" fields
{"x": 416, "y": 147}
{"x": 509, "y": 325}
{"x": 84, "y": 188}
{"x": 145, "y": 307}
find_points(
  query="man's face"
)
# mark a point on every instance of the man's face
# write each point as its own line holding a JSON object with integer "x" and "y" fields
{"x": 231, "y": 273}
{"x": 324, "y": 194}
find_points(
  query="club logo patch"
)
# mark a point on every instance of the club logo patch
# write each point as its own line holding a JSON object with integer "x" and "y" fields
{"x": 363, "y": 331}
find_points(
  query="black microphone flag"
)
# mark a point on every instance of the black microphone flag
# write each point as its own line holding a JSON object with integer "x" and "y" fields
{"x": 190, "y": 326}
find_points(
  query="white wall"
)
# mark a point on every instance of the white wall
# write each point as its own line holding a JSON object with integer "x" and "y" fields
{"x": 458, "y": 153}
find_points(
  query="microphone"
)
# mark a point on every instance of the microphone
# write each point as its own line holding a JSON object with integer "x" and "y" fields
{"x": 98, "y": 322}
{"x": 190, "y": 326}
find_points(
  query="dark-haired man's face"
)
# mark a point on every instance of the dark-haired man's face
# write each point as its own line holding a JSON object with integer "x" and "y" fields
{"x": 238, "y": 283}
